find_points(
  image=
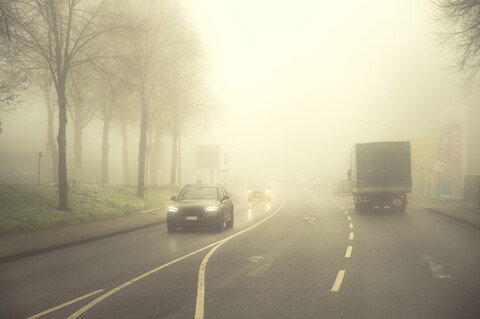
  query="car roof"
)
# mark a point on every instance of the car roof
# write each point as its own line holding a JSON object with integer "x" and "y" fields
{"x": 201, "y": 185}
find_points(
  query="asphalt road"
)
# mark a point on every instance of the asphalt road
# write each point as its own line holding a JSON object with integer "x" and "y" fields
{"x": 300, "y": 256}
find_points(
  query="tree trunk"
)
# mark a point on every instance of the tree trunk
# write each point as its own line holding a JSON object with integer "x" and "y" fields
{"x": 62, "y": 147}
{"x": 142, "y": 148}
{"x": 126, "y": 173}
{"x": 78, "y": 136}
{"x": 52, "y": 146}
{"x": 105, "y": 146}
{"x": 179, "y": 156}
{"x": 155, "y": 156}
{"x": 173, "y": 176}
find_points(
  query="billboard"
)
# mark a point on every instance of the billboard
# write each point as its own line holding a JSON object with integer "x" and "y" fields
{"x": 451, "y": 144}
{"x": 424, "y": 152}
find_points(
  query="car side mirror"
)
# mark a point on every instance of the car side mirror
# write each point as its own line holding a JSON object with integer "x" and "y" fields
{"x": 173, "y": 198}
{"x": 225, "y": 197}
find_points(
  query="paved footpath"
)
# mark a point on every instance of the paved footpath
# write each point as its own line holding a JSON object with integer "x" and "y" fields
{"x": 17, "y": 246}
{"x": 26, "y": 244}
{"x": 455, "y": 209}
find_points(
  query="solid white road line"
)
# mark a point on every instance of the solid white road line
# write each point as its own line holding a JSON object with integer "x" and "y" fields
{"x": 338, "y": 281}
{"x": 117, "y": 289}
{"x": 65, "y": 304}
{"x": 114, "y": 290}
{"x": 200, "y": 303}
{"x": 351, "y": 235}
{"x": 348, "y": 254}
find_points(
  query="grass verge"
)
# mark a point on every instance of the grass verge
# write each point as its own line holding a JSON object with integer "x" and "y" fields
{"x": 29, "y": 207}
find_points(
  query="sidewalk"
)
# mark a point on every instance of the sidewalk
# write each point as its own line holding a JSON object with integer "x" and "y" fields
{"x": 455, "y": 209}
{"x": 17, "y": 246}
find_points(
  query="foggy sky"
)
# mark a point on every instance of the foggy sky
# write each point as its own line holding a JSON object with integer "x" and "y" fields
{"x": 293, "y": 75}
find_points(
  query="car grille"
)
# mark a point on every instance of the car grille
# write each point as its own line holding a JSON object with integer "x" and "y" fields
{"x": 192, "y": 211}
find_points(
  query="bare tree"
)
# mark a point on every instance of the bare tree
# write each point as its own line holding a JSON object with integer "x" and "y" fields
{"x": 460, "y": 21}
{"x": 57, "y": 35}
{"x": 188, "y": 102}
{"x": 81, "y": 107}
{"x": 13, "y": 80}
{"x": 6, "y": 19}
{"x": 111, "y": 96}
{"x": 145, "y": 59}
{"x": 45, "y": 82}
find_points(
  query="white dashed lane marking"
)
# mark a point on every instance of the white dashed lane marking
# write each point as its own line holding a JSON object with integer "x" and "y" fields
{"x": 348, "y": 254}
{"x": 338, "y": 281}
{"x": 341, "y": 273}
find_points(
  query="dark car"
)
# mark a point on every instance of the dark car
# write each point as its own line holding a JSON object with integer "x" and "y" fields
{"x": 259, "y": 192}
{"x": 201, "y": 205}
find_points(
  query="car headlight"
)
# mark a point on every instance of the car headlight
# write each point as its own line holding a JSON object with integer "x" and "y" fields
{"x": 172, "y": 209}
{"x": 249, "y": 190}
{"x": 268, "y": 191}
{"x": 211, "y": 208}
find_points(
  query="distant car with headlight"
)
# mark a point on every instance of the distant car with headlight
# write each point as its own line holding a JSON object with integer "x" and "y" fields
{"x": 259, "y": 192}
{"x": 201, "y": 205}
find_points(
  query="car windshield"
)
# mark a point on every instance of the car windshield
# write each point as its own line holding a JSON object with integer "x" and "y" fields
{"x": 198, "y": 193}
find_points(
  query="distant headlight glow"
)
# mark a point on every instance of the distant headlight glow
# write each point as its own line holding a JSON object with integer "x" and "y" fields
{"x": 172, "y": 209}
{"x": 268, "y": 191}
{"x": 249, "y": 190}
{"x": 211, "y": 209}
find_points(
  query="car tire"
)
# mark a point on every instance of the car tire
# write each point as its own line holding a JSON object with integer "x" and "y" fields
{"x": 171, "y": 228}
{"x": 230, "y": 222}
{"x": 221, "y": 223}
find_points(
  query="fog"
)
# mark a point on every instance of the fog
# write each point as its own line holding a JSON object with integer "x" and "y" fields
{"x": 292, "y": 78}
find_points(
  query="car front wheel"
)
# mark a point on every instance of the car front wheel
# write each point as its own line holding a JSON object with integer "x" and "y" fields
{"x": 230, "y": 222}
{"x": 220, "y": 223}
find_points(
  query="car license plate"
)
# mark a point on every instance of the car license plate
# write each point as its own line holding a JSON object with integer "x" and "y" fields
{"x": 191, "y": 218}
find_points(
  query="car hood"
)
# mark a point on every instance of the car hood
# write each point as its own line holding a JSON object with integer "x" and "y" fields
{"x": 196, "y": 203}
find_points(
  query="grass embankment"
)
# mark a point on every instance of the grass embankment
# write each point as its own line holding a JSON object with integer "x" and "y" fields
{"x": 27, "y": 207}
